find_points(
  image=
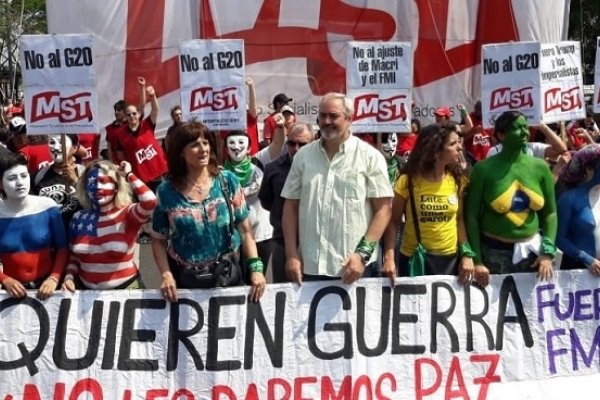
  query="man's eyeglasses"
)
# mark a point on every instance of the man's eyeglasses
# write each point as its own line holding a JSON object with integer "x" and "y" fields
{"x": 131, "y": 114}
{"x": 293, "y": 143}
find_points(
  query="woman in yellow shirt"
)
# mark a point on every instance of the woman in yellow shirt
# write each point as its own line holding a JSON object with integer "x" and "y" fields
{"x": 433, "y": 172}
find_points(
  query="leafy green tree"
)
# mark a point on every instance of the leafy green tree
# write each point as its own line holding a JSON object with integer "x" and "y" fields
{"x": 17, "y": 17}
{"x": 584, "y": 26}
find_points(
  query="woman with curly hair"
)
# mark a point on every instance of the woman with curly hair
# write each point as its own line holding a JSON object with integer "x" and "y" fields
{"x": 433, "y": 211}
{"x": 103, "y": 235}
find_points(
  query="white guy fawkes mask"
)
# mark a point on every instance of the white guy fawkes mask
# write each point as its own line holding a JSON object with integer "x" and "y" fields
{"x": 388, "y": 147}
{"x": 56, "y": 148}
{"x": 237, "y": 147}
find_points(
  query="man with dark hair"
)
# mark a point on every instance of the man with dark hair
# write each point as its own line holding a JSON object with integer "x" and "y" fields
{"x": 112, "y": 128}
{"x": 270, "y": 125}
{"x": 58, "y": 180}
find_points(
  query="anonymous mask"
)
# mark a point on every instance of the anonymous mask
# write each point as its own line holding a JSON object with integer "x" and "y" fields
{"x": 237, "y": 147}
{"x": 388, "y": 146}
{"x": 56, "y": 148}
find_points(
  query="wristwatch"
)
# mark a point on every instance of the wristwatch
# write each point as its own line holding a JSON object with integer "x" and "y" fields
{"x": 364, "y": 256}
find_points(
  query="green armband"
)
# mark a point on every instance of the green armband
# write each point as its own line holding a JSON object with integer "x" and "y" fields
{"x": 256, "y": 265}
{"x": 464, "y": 250}
{"x": 548, "y": 247}
{"x": 365, "y": 247}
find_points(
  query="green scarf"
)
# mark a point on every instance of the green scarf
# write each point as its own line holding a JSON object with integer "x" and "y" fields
{"x": 242, "y": 169}
{"x": 392, "y": 165}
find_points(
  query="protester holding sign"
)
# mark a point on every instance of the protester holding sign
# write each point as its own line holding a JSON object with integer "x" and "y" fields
{"x": 193, "y": 223}
{"x": 511, "y": 208}
{"x": 138, "y": 145}
{"x": 33, "y": 242}
{"x": 577, "y": 222}
{"x": 432, "y": 185}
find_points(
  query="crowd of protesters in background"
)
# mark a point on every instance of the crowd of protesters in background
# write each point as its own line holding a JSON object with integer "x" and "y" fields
{"x": 451, "y": 197}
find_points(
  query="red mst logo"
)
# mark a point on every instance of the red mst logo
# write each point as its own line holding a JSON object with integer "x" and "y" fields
{"x": 267, "y": 40}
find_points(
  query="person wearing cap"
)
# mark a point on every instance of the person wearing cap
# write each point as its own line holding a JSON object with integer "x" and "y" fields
{"x": 284, "y": 121}
{"x": 34, "y": 147}
{"x": 445, "y": 114}
{"x": 578, "y": 229}
{"x": 270, "y": 125}
{"x": 338, "y": 201}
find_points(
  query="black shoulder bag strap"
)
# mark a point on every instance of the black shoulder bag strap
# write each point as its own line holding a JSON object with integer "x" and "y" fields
{"x": 226, "y": 193}
{"x": 414, "y": 210}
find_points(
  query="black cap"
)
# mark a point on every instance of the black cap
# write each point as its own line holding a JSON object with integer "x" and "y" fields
{"x": 281, "y": 98}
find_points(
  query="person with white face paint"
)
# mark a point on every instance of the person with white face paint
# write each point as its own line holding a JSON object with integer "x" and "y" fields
{"x": 250, "y": 176}
{"x": 58, "y": 180}
{"x": 33, "y": 242}
{"x": 102, "y": 237}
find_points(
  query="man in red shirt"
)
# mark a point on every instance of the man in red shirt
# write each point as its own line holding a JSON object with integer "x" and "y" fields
{"x": 269, "y": 124}
{"x": 477, "y": 140}
{"x": 112, "y": 128}
{"x": 137, "y": 143}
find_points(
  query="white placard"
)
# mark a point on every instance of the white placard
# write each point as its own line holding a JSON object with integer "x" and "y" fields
{"x": 561, "y": 82}
{"x": 543, "y": 81}
{"x": 59, "y": 82}
{"x": 212, "y": 82}
{"x": 510, "y": 81}
{"x": 379, "y": 80}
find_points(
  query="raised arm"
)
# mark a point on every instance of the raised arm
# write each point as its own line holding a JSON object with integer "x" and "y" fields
{"x": 142, "y": 95}
{"x": 251, "y": 97}
{"x": 150, "y": 92}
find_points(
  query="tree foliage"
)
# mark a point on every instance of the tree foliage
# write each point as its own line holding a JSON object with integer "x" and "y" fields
{"x": 17, "y": 17}
{"x": 584, "y": 26}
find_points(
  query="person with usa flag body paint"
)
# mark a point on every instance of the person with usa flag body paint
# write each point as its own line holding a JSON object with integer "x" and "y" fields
{"x": 102, "y": 236}
{"x": 33, "y": 243}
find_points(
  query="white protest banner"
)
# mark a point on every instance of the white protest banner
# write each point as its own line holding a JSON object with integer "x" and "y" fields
{"x": 379, "y": 80}
{"x": 59, "y": 82}
{"x": 425, "y": 338}
{"x": 596, "y": 100}
{"x": 561, "y": 82}
{"x": 543, "y": 81}
{"x": 510, "y": 81}
{"x": 212, "y": 82}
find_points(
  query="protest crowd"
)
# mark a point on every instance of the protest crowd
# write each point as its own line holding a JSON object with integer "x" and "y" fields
{"x": 219, "y": 207}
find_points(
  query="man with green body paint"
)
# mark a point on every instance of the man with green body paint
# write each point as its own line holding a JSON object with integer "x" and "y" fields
{"x": 510, "y": 200}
